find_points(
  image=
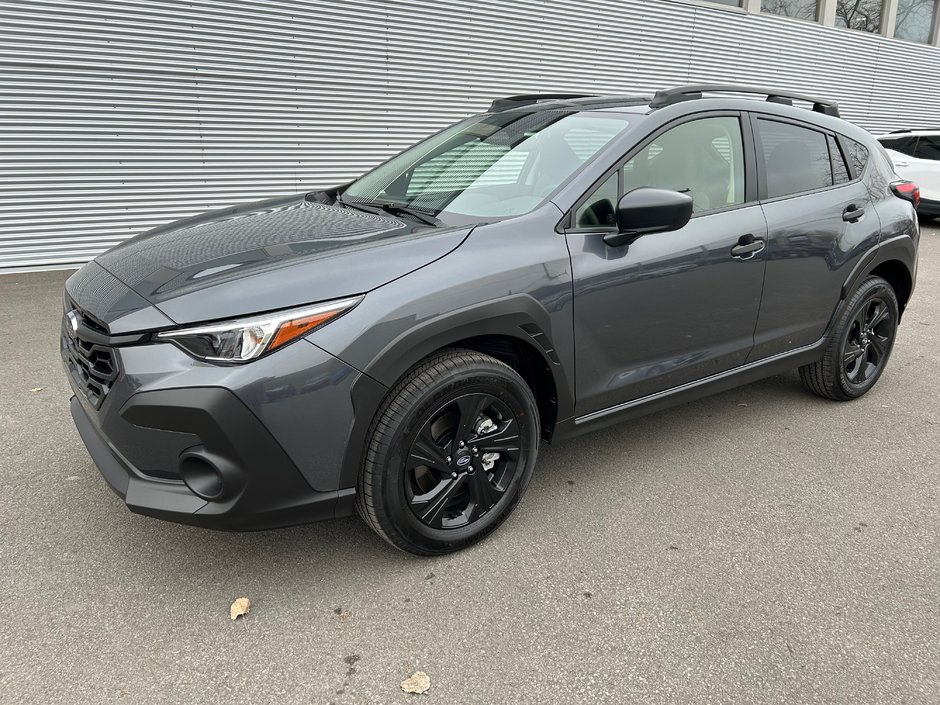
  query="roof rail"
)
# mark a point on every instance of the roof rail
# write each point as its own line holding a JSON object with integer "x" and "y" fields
{"x": 694, "y": 92}
{"x": 515, "y": 101}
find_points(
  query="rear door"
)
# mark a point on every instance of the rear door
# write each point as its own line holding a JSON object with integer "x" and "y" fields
{"x": 670, "y": 307}
{"x": 820, "y": 221}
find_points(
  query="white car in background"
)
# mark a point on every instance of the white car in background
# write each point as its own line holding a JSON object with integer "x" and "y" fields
{"x": 916, "y": 157}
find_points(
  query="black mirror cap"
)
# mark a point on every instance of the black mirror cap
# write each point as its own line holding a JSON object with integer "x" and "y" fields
{"x": 645, "y": 210}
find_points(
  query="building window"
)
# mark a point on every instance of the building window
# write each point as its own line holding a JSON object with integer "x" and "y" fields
{"x": 863, "y": 15}
{"x": 733, "y": 3}
{"x": 801, "y": 9}
{"x": 915, "y": 20}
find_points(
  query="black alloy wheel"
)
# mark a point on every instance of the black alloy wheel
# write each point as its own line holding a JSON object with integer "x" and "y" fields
{"x": 450, "y": 454}
{"x": 859, "y": 345}
{"x": 866, "y": 346}
{"x": 462, "y": 461}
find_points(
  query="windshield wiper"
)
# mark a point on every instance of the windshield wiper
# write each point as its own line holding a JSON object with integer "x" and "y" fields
{"x": 392, "y": 208}
{"x": 399, "y": 209}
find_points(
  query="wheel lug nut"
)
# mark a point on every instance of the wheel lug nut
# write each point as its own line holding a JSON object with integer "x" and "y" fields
{"x": 461, "y": 444}
{"x": 449, "y": 459}
{"x": 453, "y": 475}
{"x": 475, "y": 450}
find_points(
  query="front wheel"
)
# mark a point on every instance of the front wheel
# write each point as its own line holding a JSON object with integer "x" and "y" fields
{"x": 450, "y": 453}
{"x": 859, "y": 346}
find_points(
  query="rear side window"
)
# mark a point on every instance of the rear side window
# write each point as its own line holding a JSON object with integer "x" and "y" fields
{"x": 904, "y": 145}
{"x": 928, "y": 147}
{"x": 840, "y": 172}
{"x": 857, "y": 156}
{"x": 796, "y": 159}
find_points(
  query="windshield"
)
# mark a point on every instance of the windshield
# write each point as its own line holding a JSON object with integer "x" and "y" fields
{"x": 495, "y": 165}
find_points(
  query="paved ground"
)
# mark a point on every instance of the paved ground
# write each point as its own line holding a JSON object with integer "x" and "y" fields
{"x": 760, "y": 546}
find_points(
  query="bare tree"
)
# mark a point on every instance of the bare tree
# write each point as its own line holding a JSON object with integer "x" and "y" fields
{"x": 915, "y": 19}
{"x": 864, "y": 15}
{"x": 801, "y": 9}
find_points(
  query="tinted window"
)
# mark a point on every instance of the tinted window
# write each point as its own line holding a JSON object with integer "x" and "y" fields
{"x": 600, "y": 207}
{"x": 796, "y": 158}
{"x": 928, "y": 148}
{"x": 857, "y": 156}
{"x": 904, "y": 145}
{"x": 704, "y": 158}
{"x": 840, "y": 172}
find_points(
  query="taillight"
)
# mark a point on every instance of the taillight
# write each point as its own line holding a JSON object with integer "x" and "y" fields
{"x": 907, "y": 190}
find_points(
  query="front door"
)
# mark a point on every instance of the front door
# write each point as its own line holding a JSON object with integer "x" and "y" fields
{"x": 674, "y": 307}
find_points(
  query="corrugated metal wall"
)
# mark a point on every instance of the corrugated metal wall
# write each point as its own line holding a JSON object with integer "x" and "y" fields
{"x": 119, "y": 115}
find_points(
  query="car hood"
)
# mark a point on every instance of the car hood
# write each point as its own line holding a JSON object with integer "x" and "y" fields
{"x": 264, "y": 256}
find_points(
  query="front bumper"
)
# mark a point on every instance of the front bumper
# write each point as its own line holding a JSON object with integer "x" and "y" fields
{"x": 263, "y": 489}
{"x": 272, "y": 442}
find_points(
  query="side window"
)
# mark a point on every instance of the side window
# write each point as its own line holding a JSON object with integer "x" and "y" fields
{"x": 796, "y": 158}
{"x": 928, "y": 148}
{"x": 600, "y": 207}
{"x": 904, "y": 145}
{"x": 704, "y": 158}
{"x": 840, "y": 172}
{"x": 857, "y": 156}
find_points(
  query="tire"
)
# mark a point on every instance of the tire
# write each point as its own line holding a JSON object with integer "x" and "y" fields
{"x": 419, "y": 488}
{"x": 859, "y": 346}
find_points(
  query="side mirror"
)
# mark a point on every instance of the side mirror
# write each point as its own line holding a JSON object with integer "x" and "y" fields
{"x": 643, "y": 211}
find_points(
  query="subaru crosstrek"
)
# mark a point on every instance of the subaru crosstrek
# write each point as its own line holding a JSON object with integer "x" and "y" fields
{"x": 403, "y": 343}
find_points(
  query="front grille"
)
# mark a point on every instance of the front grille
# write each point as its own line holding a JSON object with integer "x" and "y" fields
{"x": 93, "y": 366}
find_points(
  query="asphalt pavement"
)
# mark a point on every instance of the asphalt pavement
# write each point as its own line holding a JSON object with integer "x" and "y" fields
{"x": 760, "y": 546}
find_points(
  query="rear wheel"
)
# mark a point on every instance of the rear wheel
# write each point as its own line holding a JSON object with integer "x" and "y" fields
{"x": 450, "y": 455}
{"x": 859, "y": 346}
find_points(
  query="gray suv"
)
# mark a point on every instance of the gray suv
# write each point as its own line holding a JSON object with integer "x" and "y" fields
{"x": 402, "y": 344}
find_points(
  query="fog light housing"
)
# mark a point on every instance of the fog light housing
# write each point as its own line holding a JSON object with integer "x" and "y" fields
{"x": 202, "y": 475}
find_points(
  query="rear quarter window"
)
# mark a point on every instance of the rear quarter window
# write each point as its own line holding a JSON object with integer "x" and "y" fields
{"x": 857, "y": 155}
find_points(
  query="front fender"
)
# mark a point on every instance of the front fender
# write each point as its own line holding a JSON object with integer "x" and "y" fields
{"x": 511, "y": 279}
{"x": 517, "y": 317}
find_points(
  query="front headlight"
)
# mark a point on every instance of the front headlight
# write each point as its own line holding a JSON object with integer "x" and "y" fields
{"x": 245, "y": 339}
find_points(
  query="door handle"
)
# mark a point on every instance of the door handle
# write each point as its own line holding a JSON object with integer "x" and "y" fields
{"x": 747, "y": 247}
{"x": 852, "y": 213}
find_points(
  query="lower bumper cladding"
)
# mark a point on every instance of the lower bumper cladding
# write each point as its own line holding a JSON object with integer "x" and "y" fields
{"x": 236, "y": 478}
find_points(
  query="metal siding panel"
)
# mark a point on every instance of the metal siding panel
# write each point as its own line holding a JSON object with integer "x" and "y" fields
{"x": 119, "y": 115}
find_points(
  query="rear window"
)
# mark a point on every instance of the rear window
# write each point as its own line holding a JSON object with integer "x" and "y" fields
{"x": 928, "y": 147}
{"x": 796, "y": 159}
